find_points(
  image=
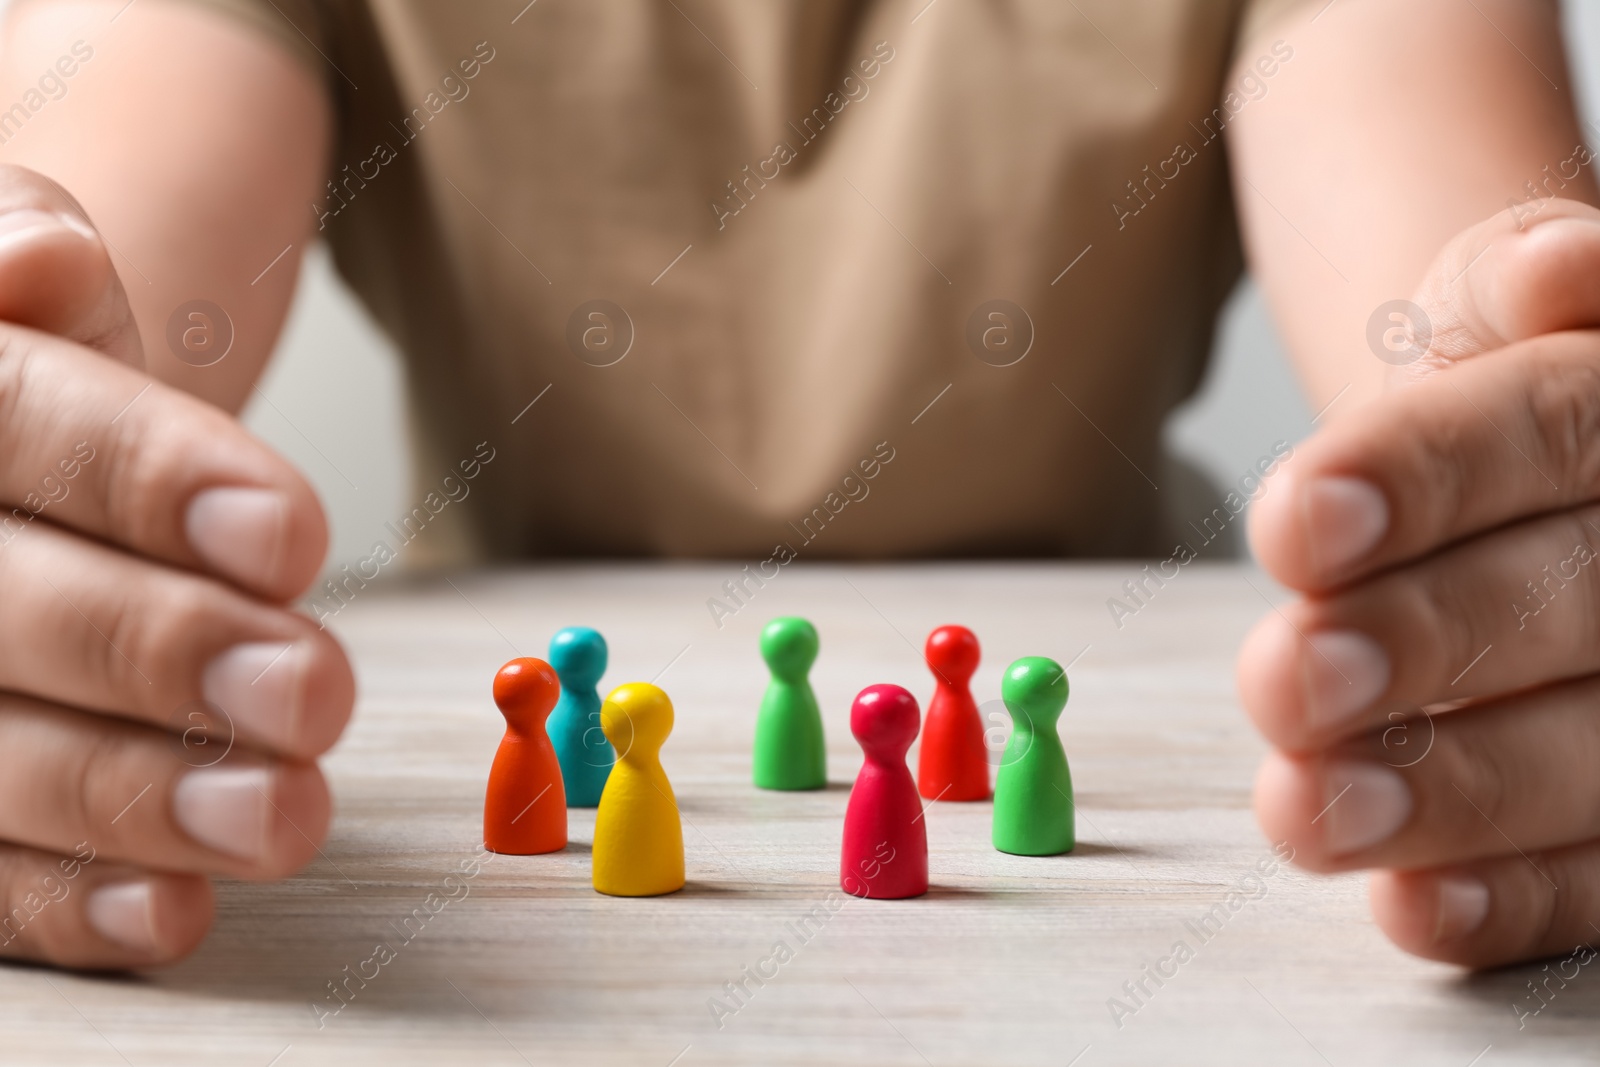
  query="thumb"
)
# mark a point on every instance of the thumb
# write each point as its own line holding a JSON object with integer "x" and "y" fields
{"x": 56, "y": 273}
{"x": 1508, "y": 279}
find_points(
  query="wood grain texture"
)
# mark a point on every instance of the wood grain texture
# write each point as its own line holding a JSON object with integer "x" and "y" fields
{"x": 1009, "y": 960}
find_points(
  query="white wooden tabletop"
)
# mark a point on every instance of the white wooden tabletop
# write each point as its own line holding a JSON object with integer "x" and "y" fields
{"x": 1008, "y": 960}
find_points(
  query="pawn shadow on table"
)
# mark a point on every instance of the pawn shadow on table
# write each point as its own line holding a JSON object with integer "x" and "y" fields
{"x": 305, "y": 940}
{"x": 1086, "y": 849}
{"x": 314, "y": 943}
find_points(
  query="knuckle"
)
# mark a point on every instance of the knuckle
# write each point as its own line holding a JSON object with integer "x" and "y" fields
{"x": 133, "y": 482}
{"x": 1478, "y": 771}
{"x": 1563, "y": 406}
{"x": 1577, "y": 552}
{"x": 1437, "y": 466}
{"x": 1449, "y": 609}
{"x": 162, "y": 629}
{"x": 1583, "y": 750}
{"x": 14, "y": 916}
{"x": 91, "y": 784}
{"x": 15, "y": 364}
{"x": 128, "y": 642}
{"x": 102, "y": 666}
{"x": 25, "y": 891}
{"x": 1548, "y": 913}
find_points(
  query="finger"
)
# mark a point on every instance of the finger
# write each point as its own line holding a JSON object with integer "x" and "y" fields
{"x": 1508, "y": 610}
{"x": 1499, "y": 911}
{"x": 1515, "y": 276}
{"x": 99, "y": 447}
{"x": 56, "y": 273}
{"x": 1511, "y": 776}
{"x": 1460, "y": 453}
{"x": 81, "y": 910}
{"x": 1506, "y": 280}
{"x": 85, "y": 625}
{"x": 71, "y": 776}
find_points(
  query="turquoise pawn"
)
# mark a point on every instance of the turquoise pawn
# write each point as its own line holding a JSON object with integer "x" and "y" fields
{"x": 579, "y": 656}
{"x": 789, "y": 751}
{"x": 1033, "y": 811}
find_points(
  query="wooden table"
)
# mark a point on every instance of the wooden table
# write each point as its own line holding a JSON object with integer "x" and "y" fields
{"x": 1007, "y": 961}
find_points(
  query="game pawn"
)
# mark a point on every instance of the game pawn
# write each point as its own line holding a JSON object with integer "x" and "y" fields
{"x": 885, "y": 854}
{"x": 579, "y": 656}
{"x": 1033, "y": 813}
{"x": 638, "y": 838}
{"x": 525, "y": 809}
{"x": 952, "y": 763}
{"x": 789, "y": 751}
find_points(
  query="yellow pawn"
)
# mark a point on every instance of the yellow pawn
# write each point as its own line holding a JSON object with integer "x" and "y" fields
{"x": 638, "y": 838}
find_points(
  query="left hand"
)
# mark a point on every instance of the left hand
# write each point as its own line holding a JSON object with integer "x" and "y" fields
{"x": 1434, "y": 695}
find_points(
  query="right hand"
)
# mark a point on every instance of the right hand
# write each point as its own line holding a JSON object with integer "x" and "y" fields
{"x": 149, "y": 547}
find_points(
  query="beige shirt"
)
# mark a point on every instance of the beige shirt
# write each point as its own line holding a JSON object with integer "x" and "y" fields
{"x": 856, "y": 277}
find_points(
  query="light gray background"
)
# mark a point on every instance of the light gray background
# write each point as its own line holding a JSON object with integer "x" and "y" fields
{"x": 332, "y": 399}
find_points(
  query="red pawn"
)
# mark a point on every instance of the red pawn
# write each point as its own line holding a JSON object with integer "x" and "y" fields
{"x": 525, "y": 811}
{"x": 885, "y": 842}
{"x": 953, "y": 763}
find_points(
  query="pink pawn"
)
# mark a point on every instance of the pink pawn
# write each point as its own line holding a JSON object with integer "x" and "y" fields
{"x": 885, "y": 842}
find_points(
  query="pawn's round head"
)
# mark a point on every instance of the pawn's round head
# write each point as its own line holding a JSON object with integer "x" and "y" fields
{"x": 952, "y": 653}
{"x": 1035, "y": 687}
{"x": 885, "y": 720}
{"x": 525, "y": 690}
{"x": 638, "y": 716}
{"x": 579, "y": 655}
{"x": 789, "y": 645}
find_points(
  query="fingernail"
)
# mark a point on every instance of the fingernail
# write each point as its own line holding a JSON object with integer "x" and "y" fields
{"x": 1463, "y": 905}
{"x": 121, "y": 913}
{"x": 240, "y": 532}
{"x": 1366, "y": 804}
{"x": 1345, "y": 672}
{"x": 260, "y": 687}
{"x": 1345, "y": 518}
{"x": 225, "y": 808}
{"x": 18, "y": 227}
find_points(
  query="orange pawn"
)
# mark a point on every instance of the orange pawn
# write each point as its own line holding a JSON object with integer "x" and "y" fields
{"x": 525, "y": 811}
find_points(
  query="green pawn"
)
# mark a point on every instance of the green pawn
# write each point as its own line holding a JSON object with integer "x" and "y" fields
{"x": 789, "y": 750}
{"x": 1033, "y": 791}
